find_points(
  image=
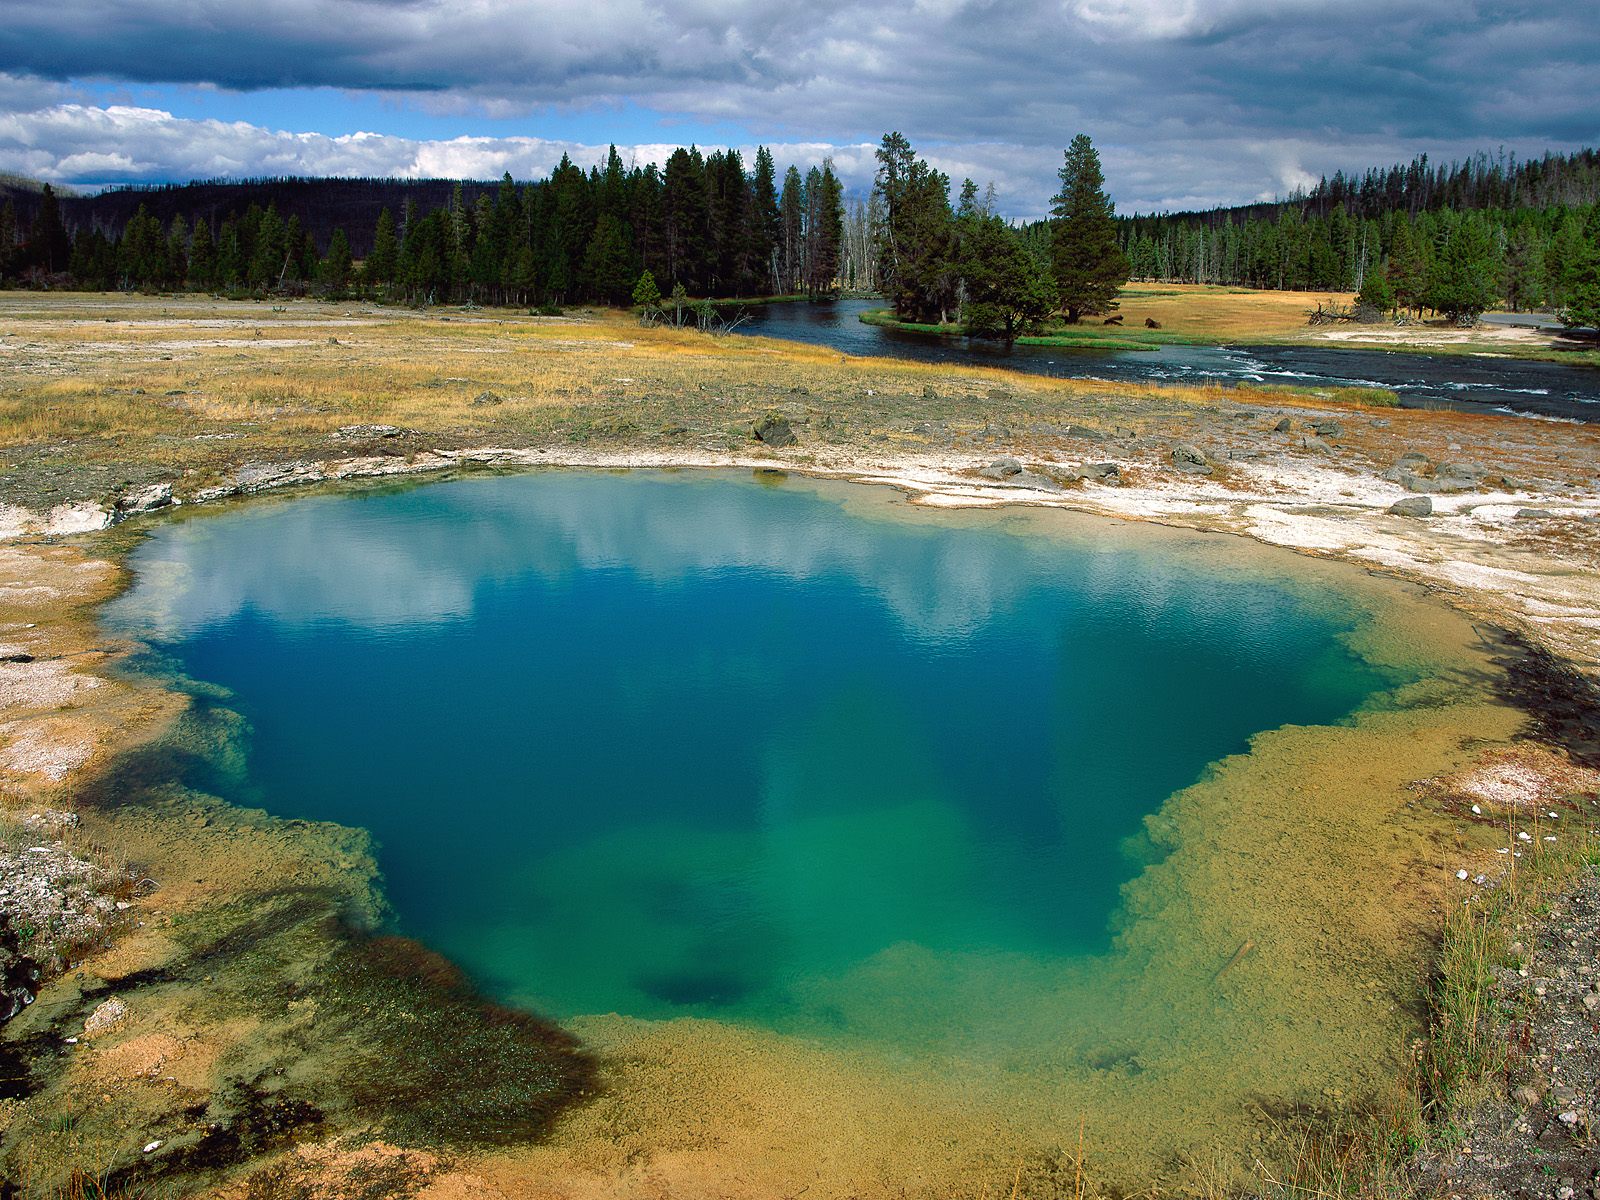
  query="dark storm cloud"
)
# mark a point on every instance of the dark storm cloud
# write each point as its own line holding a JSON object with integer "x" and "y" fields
{"x": 1191, "y": 101}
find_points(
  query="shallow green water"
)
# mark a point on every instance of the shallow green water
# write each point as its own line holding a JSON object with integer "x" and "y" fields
{"x": 773, "y": 751}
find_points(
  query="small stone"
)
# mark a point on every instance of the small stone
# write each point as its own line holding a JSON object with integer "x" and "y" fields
{"x": 1461, "y": 874}
{"x": 483, "y": 399}
{"x": 1592, "y": 1001}
{"x": 1526, "y": 1096}
{"x": 1569, "y": 1118}
{"x": 1476, "y": 811}
{"x": 152, "y": 1147}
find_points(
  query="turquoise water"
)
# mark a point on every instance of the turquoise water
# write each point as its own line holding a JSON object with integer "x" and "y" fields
{"x": 706, "y": 744}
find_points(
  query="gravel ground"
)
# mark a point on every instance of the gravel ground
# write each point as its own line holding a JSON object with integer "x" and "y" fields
{"x": 1539, "y": 1139}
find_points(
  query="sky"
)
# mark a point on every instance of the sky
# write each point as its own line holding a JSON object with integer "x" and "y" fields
{"x": 1191, "y": 103}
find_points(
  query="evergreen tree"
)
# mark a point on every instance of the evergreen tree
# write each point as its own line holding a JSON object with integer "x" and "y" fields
{"x": 646, "y": 293}
{"x": 1088, "y": 265}
{"x": 765, "y": 222}
{"x": 202, "y": 258}
{"x": 1007, "y": 289}
{"x": 1463, "y": 281}
{"x": 1408, "y": 266}
{"x": 49, "y": 245}
{"x": 333, "y": 272}
{"x": 1582, "y": 306}
{"x": 792, "y": 223}
{"x": 383, "y": 263}
{"x": 608, "y": 265}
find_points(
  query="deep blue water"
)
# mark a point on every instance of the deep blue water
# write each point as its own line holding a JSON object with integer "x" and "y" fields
{"x": 1526, "y": 386}
{"x": 664, "y": 743}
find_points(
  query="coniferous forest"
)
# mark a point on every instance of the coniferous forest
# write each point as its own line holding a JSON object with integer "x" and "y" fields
{"x": 1454, "y": 240}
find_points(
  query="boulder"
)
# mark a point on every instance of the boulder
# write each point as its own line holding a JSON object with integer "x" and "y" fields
{"x": 1412, "y": 506}
{"x": 1534, "y": 514}
{"x": 1190, "y": 459}
{"x": 1103, "y": 472}
{"x": 484, "y": 399}
{"x": 1315, "y": 444}
{"x": 143, "y": 500}
{"x": 1283, "y": 426}
{"x": 1327, "y": 429}
{"x": 774, "y": 430}
{"x": 1001, "y": 468}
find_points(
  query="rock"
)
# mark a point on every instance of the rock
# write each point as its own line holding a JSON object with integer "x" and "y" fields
{"x": 774, "y": 430}
{"x": 483, "y": 399}
{"x": 1327, "y": 429}
{"x": 1315, "y": 444}
{"x": 104, "y": 1018}
{"x": 1087, "y": 432}
{"x": 1189, "y": 459}
{"x": 143, "y": 500}
{"x": 1001, "y": 468}
{"x": 1151, "y": 323}
{"x": 928, "y": 393}
{"x": 1412, "y": 506}
{"x": 359, "y": 432}
{"x": 1413, "y": 459}
{"x": 1526, "y": 1096}
{"x": 1102, "y": 472}
{"x": 1592, "y": 1001}
{"x": 1381, "y": 422}
{"x": 1534, "y": 514}
{"x": 1283, "y": 426}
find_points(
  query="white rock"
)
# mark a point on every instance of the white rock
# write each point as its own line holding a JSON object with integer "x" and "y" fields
{"x": 1461, "y": 874}
{"x": 1524, "y": 837}
{"x": 152, "y": 1147}
{"x": 1477, "y": 810}
{"x": 107, "y": 1016}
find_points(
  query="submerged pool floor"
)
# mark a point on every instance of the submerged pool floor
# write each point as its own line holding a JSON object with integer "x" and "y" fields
{"x": 805, "y": 762}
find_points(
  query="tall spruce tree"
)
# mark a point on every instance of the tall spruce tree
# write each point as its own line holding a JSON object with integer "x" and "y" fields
{"x": 1088, "y": 264}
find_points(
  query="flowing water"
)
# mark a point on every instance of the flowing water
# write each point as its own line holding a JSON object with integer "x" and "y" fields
{"x": 1421, "y": 380}
{"x": 801, "y": 762}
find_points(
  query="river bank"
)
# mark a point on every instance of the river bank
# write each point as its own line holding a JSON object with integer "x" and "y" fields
{"x": 1150, "y": 315}
{"x": 1513, "y": 544}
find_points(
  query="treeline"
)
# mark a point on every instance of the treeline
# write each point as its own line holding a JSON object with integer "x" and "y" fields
{"x": 703, "y": 223}
{"x": 1529, "y": 229}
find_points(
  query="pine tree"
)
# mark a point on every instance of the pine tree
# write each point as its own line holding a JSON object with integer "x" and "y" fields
{"x": 1007, "y": 290}
{"x": 1582, "y": 307}
{"x": 607, "y": 262}
{"x": 202, "y": 257}
{"x": 792, "y": 223}
{"x": 765, "y": 227}
{"x": 383, "y": 262}
{"x": 333, "y": 272}
{"x": 1087, "y": 263}
{"x": 1462, "y": 285}
{"x": 49, "y": 245}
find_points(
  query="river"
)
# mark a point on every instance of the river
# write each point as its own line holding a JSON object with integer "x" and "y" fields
{"x": 1471, "y": 382}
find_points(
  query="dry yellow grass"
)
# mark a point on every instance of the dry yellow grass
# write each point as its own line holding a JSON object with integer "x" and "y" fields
{"x": 1224, "y": 314}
